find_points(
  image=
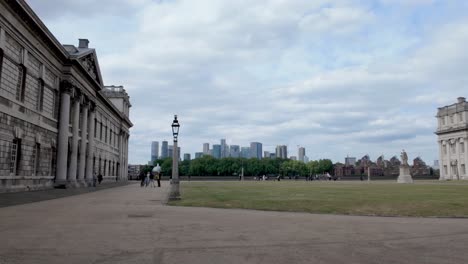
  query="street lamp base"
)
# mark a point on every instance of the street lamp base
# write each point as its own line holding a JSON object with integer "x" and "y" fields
{"x": 174, "y": 194}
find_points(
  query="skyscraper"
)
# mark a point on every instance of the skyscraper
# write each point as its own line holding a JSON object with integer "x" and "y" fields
{"x": 281, "y": 152}
{"x": 224, "y": 150}
{"x": 206, "y": 148}
{"x": 187, "y": 156}
{"x": 198, "y": 155}
{"x": 245, "y": 152}
{"x": 266, "y": 154}
{"x": 301, "y": 153}
{"x": 234, "y": 151}
{"x": 256, "y": 150}
{"x": 217, "y": 151}
{"x": 164, "y": 150}
{"x": 170, "y": 151}
{"x": 154, "y": 151}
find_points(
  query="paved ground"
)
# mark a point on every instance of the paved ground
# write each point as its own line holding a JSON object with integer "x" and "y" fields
{"x": 16, "y": 198}
{"x": 130, "y": 225}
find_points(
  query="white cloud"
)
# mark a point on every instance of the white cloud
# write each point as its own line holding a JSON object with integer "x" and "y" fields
{"x": 338, "y": 77}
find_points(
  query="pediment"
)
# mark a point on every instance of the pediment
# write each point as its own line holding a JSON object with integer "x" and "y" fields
{"x": 90, "y": 64}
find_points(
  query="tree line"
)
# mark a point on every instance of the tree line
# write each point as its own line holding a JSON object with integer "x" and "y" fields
{"x": 209, "y": 166}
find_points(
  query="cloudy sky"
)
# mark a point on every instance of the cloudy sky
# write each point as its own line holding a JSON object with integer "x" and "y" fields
{"x": 338, "y": 77}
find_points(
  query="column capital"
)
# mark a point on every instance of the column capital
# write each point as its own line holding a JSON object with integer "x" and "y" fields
{"x": 66, "y": 86}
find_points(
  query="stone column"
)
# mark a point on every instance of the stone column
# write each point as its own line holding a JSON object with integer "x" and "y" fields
{"x": 72, "y": 169}
{"x": 89, "y": 161}
{"x": 466, "y": 157}
{"x": 441, "y": 161}
{"x": 84, "y": 131}
{"x": 66, "y": 88}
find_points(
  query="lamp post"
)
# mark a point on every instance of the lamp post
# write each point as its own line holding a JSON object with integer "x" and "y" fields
{"x": 174, "y": 192}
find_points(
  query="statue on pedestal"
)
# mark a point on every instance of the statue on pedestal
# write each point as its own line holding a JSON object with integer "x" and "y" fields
{"x": 404, "y": 158}
{"x": 405, "y": 172}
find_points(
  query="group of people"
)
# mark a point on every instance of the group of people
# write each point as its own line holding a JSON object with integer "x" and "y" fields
{"x": 148, "y": 179}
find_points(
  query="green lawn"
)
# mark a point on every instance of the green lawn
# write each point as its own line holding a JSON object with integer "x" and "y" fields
{"x": 422, "y": 199}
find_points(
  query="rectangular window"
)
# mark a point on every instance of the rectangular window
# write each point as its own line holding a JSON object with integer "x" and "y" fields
{"x": 462, "y": 147}
{"x": 100, "y": 132}
{"x": 460, "y": 117}
{"x": 445, "y": 169}
{"x": 110, "y": 138}
{"x": 19, "y": 83}
{"x": 463, "y": 169}
{"x": 40, "y": 96}
{"x": 36, "y": 158}
{"x": 453, "y": 148}
{"x": 15, "y": 156}
{"x": 95, "y": 128}
{"x": 105, "y": 166}
{"x": 443, "y": 121}
{"x": 445, "y": 149}
{"x": 451, "y": 119}
{"x": 105, "y": 138}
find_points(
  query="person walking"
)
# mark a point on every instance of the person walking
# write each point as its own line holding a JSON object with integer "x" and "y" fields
{"x": 157, "y": 172}
{"x": 147, "y": 179}
{"x": 152, "y": 180}
{"x": 142, "y": 178}
{"x": 99, "y": 178}
{"x": 158, "y": 179}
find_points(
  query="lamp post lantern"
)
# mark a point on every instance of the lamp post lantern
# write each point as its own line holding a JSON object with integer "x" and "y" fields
{"x": 174, "y": 192}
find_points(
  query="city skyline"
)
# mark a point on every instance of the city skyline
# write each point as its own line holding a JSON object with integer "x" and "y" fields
{"x": 345, "y": 77}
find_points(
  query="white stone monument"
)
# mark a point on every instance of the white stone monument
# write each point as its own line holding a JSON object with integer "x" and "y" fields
{"x": 405, "y": 172}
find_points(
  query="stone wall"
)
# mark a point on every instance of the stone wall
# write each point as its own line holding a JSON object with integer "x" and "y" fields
{"x": 28, "y": 176}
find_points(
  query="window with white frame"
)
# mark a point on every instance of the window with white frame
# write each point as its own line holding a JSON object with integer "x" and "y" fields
{"x": 15, "y": 153}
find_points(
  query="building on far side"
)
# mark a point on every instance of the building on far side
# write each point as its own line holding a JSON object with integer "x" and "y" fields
{"x": 165, "y": 150}
{"x": 301, "y": 154}
{"x": 187, "y": 156}
{"x": 198, "y": 155}
{"x": 234, "y": 151}
{"x": 256, "y": 150}
{"x": 281, "y": 152}
{"x": 154, "y": 151}
{"x": 206, "y": 148}
{"x": 245, "y": 152}
{"x": 452, "y": 132}
{"x": 350, "y": 161}
{"x": 216, "y": 151}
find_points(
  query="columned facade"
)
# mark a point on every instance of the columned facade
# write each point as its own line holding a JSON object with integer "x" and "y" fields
{"x": 59, "y": 123}
{"x": 452, "y": 139}
{"x": 66, "y": 90}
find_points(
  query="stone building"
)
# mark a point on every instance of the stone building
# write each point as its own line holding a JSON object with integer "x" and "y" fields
{"x": 59, "y": 124}
{"x": 452, "y": 132}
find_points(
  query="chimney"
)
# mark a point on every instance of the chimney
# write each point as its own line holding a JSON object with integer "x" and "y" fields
{"x": 461, "y": 100}
{"x": 83, "y": 43}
